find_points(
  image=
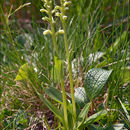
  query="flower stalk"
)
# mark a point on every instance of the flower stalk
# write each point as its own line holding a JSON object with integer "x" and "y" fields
{"x": 63, "y": 18}
{"x": 49, "y": 11}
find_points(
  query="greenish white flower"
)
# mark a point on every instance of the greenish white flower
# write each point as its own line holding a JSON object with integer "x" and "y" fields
{"x": 67, "y": 3}
{"x": 47, "y": 32}
{"x": 66, "y": 8}
{"x": 48, "y": 6}
{"x": 61, "y": 31}
{"x": 45, "y": 4}
{"x": 64, "y": 17}
{"x": 45, "y": 19}
{"x": 53, "y": 21}
{"x": 57, "y": 8}
{"x": 57, "y": 14}
{"x": 50, "y": 1}
{"x": 44, "y": 10}
{"x": 53, "y": 11}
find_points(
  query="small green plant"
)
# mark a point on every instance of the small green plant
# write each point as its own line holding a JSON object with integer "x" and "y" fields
{"x": 94, "y": 82}
{"x": 50, "y": 12}
{"x": 80, "y": 96}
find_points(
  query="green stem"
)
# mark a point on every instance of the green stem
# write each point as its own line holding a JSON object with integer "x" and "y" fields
{"x": 62, "y": 85}
{"x": 70, "y": 69}
{"x": 53, "y": 33}
{"x": 61, "y": 79}
{"x": 54, "y": 38}
{"x": 64, "y": 103}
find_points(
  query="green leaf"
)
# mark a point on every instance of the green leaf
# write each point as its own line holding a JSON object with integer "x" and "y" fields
{"x": 54, "y": 94}
{"x": 56, "y": 71}
{"x": 80, "y": 96}
{"x": 82, "y": 115}
{"x": 95, "y": 117}
{"x": 95, "y": 79}
{"x": 54, "y": 75}
{"x": 23, "y": 72}
{"x": 26, "y": 72}
{"x": 58, "y": 64}
{"x": 55, "y": 110}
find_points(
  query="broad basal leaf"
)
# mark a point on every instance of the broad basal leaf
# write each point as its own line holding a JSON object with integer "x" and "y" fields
{"x": 81, "y": 97}
{"x": 26, "y": 72}
{"x": 54, "y": 94}
{"x": 23, "y": 72}
{"x": 95, "y": 79}
{"x": 51, "y": 106}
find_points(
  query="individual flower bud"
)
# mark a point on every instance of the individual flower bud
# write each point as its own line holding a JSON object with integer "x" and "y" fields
{"x": 50, "y": 1}
{"x": 57, "y": 8}
{"x": 53, "y": 21}
{"x": 53, "y": 11}
{"x": 67, "y": 3}
{"x": 45, "y": 4}
{"x": 61, "y": 31}
{"x": 47, "y": 32}
{"x": 66, "y": 8}
{"x": 64, "y": 17}
{"x": 43, "y": 10}
{"x": 48, "y": 6}
{"x": 45, "y": 18}
{"x": 57, "y": 14}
